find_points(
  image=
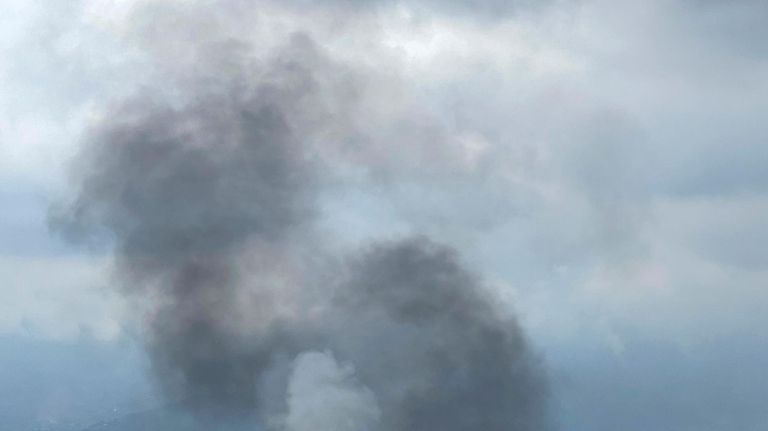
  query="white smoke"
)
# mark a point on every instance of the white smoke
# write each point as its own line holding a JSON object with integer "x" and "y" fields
{"x": 324, "y": 395}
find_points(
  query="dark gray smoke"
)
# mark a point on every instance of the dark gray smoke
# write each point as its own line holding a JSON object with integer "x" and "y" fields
{"x": 184, "y": 191}
{"x": 210, "y": 198}
{"x": 424, "y": 336}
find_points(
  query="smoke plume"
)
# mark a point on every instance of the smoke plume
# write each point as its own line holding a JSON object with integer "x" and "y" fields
{"x": 427, "y": 340}
{"x": 211, "y": 200}
{"x": 186, "y": 190}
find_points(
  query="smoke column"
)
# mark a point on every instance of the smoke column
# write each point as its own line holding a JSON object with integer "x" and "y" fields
{"x": 210, "y": 197}
{"x": 184, "y": 191}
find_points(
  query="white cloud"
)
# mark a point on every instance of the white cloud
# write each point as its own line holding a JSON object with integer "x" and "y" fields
{"x": 324, "y": 395}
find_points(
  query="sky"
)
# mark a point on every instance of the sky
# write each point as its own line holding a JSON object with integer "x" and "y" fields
{"x": 600, "y": 163}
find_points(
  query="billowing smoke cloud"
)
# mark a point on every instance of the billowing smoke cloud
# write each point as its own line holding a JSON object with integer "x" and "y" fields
{"x": 185, "y": 191}
{"x": 211, "y": 198}
{"x": 427, "y": 340}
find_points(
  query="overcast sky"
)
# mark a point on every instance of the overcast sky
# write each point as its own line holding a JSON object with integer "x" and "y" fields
{"x": 601, "y": 162}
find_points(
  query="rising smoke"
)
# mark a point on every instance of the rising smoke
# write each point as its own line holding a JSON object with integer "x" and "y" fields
{"x": 211, "y": 200}
{"x": 426, "y": 339}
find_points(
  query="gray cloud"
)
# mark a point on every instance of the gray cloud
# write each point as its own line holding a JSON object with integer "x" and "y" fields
{"x": 484, "y": 9}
